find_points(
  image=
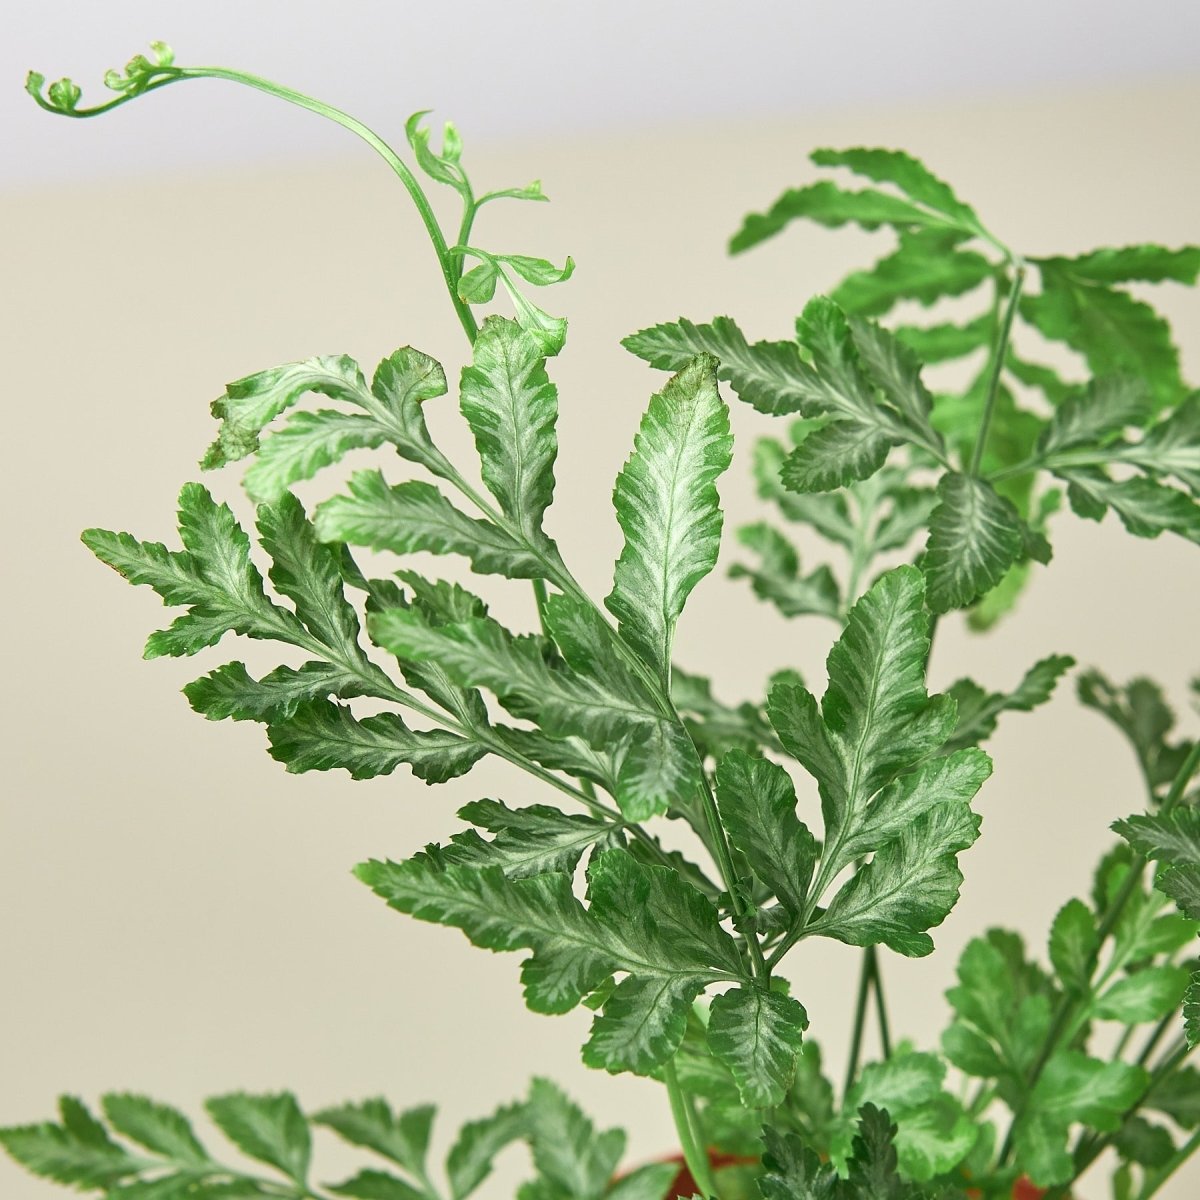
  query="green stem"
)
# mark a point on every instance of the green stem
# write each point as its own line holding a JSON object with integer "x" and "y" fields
{"x": 446, "y": 262}
{"x": 860, "y": 1021}
{"x": 1155, "y": 1037}
{"x": 881, "y": 1016}
{"x": 1124, "y": 1040}
{"x": 695, "y": 1155}
{"x": 540, "y": 597}
{"x": 870, "y": 980}
{"x": 998, "y": 355}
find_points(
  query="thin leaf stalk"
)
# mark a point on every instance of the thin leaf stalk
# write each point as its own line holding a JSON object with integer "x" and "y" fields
{"x": 881, "y": 1014}
{"x": 860, "y": 1021}
{"x": 695, "y": 1154}
{"x": 997, "y": 365}
{"x": 394, "y": 161}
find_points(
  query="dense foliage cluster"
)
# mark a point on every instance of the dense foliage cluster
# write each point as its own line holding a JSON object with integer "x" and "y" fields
{"x": 932, "y": 502}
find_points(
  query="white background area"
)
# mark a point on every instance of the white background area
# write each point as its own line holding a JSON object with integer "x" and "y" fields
{"x": 553, "y": 68}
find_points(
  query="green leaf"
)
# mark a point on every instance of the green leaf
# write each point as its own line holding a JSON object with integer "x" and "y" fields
{"x": 1172, "y": 447}
{"x": 308, "y": 442}
{"x": 1146, "y": 995}
{"x": 376, "y": 1185}
{"x": 777, "y": 577}
{"x": 897, "y": 371}
{"x": 948, "y": 780}
{"x": 668, "y": 924}
{"x": 250, "y": 404}
{"x": 469, "y": 1161}
{"x": 1115, "y": 333}
{"x": 1094, "y": 417}
{"x": 975, "y": 535}
{"x": 1140, "y": 712}
{"x": 909, "y": 886}
{"x": 649, "y": 1182}
{"x": 659, "y": 765}
{"x": 403, "y": 382}
{"x": 158, "y": 1127}
{"x": 437, "y": 603}
{"x": 641, "y": 1023}
{"x": 839, "y": 384}
{"x": 770, "y": 376}
{"x": 642, "y": 920}
{"x": 511, "y": 406}
{"x": 550, "y": 333}
{"x": 905, "y": 172}
{"x": 1191, "y": 1012}
{"x": 528, "y": 841}
{"x": 933, "y": 1133}
{"x": 792, "y": 1171}
{"x": 1042, "y": 1151}
{"x": 941, "y": 343}
{"x": 213, "y": 575}
{"x": 1178, "y": 1094}
{"x": 836, "y": 455}
{"x": 539, "y": 271}
{"x": 828, "y": 514}
{"x": 269, "y": 1128}
{"x": 716, "y": 727}
{"x": 876, "y": 718}
{"x": 757, "y": 1033}
{"x": 309, "y": 574}
{"x": 1002, "y": 1004}
{"x": 758, "y": 809}
{"x": 415, "y": 516}
{"x": 830, "y": 205}
{"x": 401, "y": 1137}
{"x": 667, "y": 504}
{"x": 1141, "y": 1142}
{"x": 78, "y": 1152}
{"x": 1073, "y": 945}
{"x": 1172, "y": 837}
{"x": 1182, "y": 884}
{"x": 1073, "y": 1087}
{"x": 441, "y": 167}
{"x": 979, "y": 709}
{"x": 1146, "y": 508}
{"x": 230, "y": 692}
{"x": 1147, "y": 263}
{"x": 323, "y": 736}
{"x": 875, "y": 724}
{"x": 478, "y": 285}
{"x": 873, "y": 1163}
{"x": 925, "y": 267}
{"x": 568, "y": 1152}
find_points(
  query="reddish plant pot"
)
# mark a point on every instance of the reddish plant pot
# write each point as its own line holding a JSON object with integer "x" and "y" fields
{"x": 683, "y": 1186}
{"x": 1024, "y": 1190}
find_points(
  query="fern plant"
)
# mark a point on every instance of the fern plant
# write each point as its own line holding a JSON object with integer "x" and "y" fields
{"x": 680, "y": 959}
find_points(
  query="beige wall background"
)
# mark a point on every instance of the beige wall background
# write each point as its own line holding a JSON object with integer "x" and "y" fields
{"x": 179, "y": 917}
